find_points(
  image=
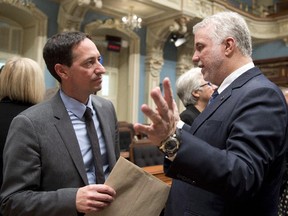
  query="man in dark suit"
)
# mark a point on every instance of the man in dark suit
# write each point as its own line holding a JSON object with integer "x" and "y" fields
{"x": 232, "y": 157}
{"x": 49, "y": 160}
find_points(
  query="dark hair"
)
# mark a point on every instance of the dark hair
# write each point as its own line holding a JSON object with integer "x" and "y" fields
{"x": 59, "y": 50}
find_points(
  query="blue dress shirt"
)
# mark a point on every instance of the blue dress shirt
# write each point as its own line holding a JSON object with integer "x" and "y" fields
{"x": 76, "y": 111}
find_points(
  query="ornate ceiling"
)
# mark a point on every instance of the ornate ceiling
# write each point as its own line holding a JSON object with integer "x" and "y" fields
{"x": 153, "y": 12}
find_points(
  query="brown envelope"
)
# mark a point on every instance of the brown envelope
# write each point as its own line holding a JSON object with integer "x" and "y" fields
{"x": 138, "y": 192}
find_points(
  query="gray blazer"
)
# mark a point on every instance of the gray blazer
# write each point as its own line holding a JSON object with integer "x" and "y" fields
{"x": 43, "y": 165}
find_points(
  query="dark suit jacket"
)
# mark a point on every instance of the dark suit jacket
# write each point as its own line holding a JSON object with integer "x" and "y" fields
{"x": 8, "y": 110}
{"x": 234, "y": 162}
{"x": 43, "y": 165}
{"x": 189, "y": 114}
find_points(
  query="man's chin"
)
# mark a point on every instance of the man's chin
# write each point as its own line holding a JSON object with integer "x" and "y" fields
{"x": 97, "y": 89}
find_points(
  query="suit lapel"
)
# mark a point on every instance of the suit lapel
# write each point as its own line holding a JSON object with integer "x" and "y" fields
{"x": 66, "y": 131}
{"x": 221, "y": 98}
{"x": 209, "y": 110}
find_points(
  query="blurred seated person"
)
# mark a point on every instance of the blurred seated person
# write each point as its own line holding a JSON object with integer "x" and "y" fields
{"x": 21, "y": 86}
{"x": 283, "y": 202}
{"x": 194, "y": 92}
{"x": 285, "y": 92}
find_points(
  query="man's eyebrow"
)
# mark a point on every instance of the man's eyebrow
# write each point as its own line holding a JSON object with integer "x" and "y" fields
{"x": 198, "y": 44}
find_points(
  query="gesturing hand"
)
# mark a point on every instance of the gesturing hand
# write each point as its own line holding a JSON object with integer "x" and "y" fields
{"x": 164, "y": 118}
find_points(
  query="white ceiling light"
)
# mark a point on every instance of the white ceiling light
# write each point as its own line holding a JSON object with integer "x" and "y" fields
{"x": 178, "y": 39}
{"x": 178, "y": 29}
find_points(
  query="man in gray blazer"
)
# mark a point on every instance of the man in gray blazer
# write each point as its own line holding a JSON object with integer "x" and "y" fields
{"x": 49, "y": 162}
{"x": 232, "y": 157}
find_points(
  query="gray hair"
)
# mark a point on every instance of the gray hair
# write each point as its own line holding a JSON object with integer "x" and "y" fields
{"x": 228, "y": 24}
{"x": 187, "y": 83}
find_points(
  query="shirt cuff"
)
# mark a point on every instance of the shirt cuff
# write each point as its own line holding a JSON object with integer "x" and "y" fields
{"x": 172, "y": 157}
{"x": 180, "y": 124}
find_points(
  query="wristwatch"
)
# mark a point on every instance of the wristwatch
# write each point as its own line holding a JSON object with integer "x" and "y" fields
{"x": 171, "y": 145}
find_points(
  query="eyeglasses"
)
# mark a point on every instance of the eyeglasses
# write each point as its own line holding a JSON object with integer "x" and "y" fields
{"x": 208, "y": 83}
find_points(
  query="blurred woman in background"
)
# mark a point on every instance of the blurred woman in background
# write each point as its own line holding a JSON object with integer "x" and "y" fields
{"x": 21, "y": 86}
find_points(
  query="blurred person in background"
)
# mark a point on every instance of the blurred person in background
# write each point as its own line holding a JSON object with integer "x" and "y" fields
{"x": 285, "y": 92}
{"x": 194, "y": 92}
{"x": 283, "y": 202}
{"x": 21, "y": 86}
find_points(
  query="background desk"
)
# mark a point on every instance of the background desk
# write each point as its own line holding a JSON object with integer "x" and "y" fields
{"x": 158, "y": 172}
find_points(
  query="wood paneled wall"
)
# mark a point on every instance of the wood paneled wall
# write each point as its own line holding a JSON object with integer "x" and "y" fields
{"x": 275, "y": 69}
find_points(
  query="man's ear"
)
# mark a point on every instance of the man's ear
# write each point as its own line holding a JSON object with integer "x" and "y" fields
{"x": 61, "y": 70}
{"x": 230, "y": 44}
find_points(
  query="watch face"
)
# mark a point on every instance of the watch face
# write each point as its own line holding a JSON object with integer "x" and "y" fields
{"x": 171, "y": 144}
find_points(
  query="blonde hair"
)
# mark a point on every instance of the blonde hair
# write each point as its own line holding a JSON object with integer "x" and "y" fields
{"x": 22, "y": 80}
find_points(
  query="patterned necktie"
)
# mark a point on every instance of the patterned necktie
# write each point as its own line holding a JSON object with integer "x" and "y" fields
{"x": 92, "y": 134}
{"x": 213, "y": 96}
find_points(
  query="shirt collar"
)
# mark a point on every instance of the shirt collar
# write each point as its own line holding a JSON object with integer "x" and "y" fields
{"x": 74, "y": 106}
{"x": 234, "y": 75}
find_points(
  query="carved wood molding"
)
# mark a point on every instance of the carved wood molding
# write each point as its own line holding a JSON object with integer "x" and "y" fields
{"x": 275, "y": 69}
